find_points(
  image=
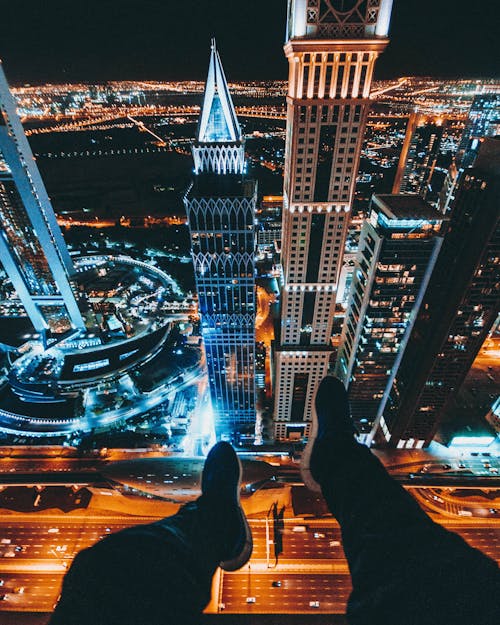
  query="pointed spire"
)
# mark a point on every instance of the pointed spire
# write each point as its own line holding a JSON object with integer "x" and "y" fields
{"x": 218, "y": 122}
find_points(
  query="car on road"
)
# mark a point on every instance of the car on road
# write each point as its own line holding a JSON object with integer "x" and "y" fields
{"x": 3, "y": 597}
{"x": 251, "y": 599}
{"x": 2, "y": 582}
{"x": 276, "y": 583}
{"x": 53, "y": 530}
{"x": 318, "y": 535}
{"x": 9, "y": 552}
{"x": 314, "y": 604}
{"x": 299, "y": 528}
{"x": 19, "y": 590}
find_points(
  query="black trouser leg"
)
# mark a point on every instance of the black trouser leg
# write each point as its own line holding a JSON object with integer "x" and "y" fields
{"x": 404, "y": 567}
{"x": 158, "y": 574}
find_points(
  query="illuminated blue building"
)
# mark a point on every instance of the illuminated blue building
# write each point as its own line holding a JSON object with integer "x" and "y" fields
{"x": 220, "y": 206}
{"x": 398, "y": 249}
{"x": 32, "y": 249}
{"x": 483, "y": 121}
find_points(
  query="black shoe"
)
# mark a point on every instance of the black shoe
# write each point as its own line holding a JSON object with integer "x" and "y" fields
{"x": 331, "y": 418}
{"x": 220, "y": 482}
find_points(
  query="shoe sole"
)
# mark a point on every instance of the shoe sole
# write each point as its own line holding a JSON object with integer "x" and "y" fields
{"x": 305, "y": 461}
{"x": 246, "y": 552}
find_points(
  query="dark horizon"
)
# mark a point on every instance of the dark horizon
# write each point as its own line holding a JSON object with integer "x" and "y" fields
{"x": 163, "y": 40}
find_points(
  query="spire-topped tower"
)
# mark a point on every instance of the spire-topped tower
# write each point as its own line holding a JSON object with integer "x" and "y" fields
{"x": 218, "y": 123}
{"x": 220, "y": 206}
{"x": 219, "y": 145}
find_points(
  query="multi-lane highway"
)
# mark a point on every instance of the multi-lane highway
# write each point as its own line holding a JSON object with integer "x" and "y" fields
{"x": 310, "y": 575}
{"x": 284, "y": 592}
{"x": 311, "y": 568}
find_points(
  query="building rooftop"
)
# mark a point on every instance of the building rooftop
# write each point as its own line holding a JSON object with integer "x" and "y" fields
{"x": 407, "y": 207}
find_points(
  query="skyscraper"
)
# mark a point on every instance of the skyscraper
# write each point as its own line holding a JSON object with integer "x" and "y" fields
{"x": 418, "y": 156}
{"x": 32, "y": 249}
{"x": 459, "y": 308}
{"x": 483, "y": 121}
{"x": 221, "y": 211}
{"x": 398, "y": 248}
{"x": 332, "y": 47}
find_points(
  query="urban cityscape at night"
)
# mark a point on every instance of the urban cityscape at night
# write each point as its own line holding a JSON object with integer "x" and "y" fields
{"x": 184, "y": 260}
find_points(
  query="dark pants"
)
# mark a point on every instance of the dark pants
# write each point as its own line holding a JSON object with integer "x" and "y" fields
{"x": 157, "y": 574}
{"x": 405, "y": 569}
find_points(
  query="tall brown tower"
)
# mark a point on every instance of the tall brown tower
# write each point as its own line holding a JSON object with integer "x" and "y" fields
{"x": 332, "y": 46}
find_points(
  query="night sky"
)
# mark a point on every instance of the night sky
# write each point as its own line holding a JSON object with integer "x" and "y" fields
{"x": 98, "y": 40}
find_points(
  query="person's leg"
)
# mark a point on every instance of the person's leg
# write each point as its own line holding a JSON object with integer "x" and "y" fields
{"x": 214, "y": 528}
{"x": 162, "y": 572}
{"x": 398, "y": 557}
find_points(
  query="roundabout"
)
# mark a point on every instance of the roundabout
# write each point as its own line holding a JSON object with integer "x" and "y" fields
{"x": 91, "y": 379}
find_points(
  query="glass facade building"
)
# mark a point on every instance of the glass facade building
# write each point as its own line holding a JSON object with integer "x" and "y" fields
{"x": 221, "y": 212}
{"x": 459, "y": 308}
{"x": 398, "y": 248}
{"x": 483, "y": 121}
{"x": 32, "y": 249}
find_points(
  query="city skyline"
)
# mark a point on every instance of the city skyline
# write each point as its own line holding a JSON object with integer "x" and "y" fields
{"x": 332, "y": 49}
{"x": 184, "y": 261}
{"x": 435, "y": 48}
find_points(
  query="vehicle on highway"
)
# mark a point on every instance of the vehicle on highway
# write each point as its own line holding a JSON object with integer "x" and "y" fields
{"x": 314, "y": 604}
{"x": 318, "y": 535}
{"x": 276, "y": 583}
{"x": 2, "y": 582}
{"x": 19, "y": 590}
{"x": 3, "y": 597}
{"x": 299, "y": 528}
{"x": 5, "y": 541}
{"x": 251, "y": 599}
{"x": 9, "y": 552}
{"x": 53, "y": 530}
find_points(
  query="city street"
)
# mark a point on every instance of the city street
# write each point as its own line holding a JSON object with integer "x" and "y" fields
{"x": 311, "y": 567}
